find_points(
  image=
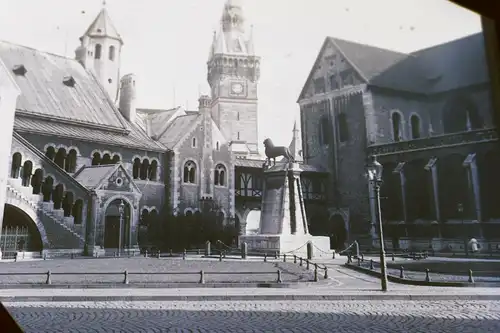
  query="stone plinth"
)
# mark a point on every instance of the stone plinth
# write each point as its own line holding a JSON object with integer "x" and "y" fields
{"x": 283, "y": 222}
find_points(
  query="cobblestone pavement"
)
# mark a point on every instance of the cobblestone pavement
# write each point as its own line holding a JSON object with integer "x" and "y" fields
{"x": 152, "y": 266}
{"x": 266, "y": 316}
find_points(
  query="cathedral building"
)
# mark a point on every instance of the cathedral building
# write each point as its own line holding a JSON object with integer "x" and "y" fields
{"x": 89, "y": 168}
{"x": 428, "y": 117}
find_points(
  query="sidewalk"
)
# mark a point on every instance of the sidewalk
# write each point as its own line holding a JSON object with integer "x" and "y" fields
{"x": 396, "y": 292}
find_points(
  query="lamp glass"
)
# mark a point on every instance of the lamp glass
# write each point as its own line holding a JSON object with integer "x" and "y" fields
{"x": 121, "y": 207}
{"x": 374, "y": 169}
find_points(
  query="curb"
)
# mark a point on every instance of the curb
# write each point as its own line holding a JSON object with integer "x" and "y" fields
{"x": 185, "y": 285}
{"x": 143, "y": 298}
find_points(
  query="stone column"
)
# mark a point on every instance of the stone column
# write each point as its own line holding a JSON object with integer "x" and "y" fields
{"x": 432, "y": 168}
{"x": 402, "y": 179}
{"x": 92, "y": 220}
{"x": 475, "y": 186}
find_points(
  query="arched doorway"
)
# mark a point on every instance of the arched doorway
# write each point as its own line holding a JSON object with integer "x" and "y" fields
{"x": 338, "y": 235}
{"x": 117, "y": 210}
{"x": 19, "y": 232}
{"x": 253, "y": 222}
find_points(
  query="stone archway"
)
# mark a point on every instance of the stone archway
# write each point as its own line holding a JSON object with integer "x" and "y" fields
{"x": 112, "y": 219}
{"x": 252, "y": 222}
{"x": 19, "y": 232}
{"x": 338, "y": 235}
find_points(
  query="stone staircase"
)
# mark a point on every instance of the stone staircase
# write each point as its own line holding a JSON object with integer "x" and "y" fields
{"x": 60, "y": 230}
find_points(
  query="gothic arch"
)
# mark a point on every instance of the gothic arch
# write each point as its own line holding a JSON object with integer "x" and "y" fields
{"x": 196, "y": 170}
{"x": 128, "y": 201}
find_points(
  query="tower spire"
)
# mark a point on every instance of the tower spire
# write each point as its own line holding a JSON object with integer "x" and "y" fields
{"x": 296, "y": 145}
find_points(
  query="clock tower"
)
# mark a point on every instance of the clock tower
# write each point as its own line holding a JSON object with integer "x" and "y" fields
{"x": 233, "y": 74}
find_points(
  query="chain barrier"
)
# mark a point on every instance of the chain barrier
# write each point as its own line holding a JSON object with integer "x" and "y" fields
{"x": 320, "y": 250}
{"x": 348, "y": 248}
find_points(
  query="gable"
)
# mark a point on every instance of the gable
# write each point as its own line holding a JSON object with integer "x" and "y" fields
{"x": 331, "y": 71}
{"x": 179, "y": 128}
{"x": 119, "y": 181}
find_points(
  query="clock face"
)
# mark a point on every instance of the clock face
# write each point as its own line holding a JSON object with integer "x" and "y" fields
{"x": 237, "y": 88}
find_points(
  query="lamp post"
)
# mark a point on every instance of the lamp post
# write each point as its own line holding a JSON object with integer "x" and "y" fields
{"x": 460, "y": 208}
{"x": 121, "y": 209}
{"x": 374, "y": 174}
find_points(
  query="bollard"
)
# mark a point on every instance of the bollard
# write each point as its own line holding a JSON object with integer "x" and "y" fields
{"x": 125, "y": 277}
{"x": 184, "y": 254}
{"x": 220, "y": 256}
{"x": 244, "y": 250}
{"x": 294, "y": 259}
{"x": 49, "y": 280}
{"x": 307, "y": 264}
{"x": 199, "y": 251}
{"x": 208, "y": 248}
{"x": 159, "y": 254}
{"x": 202, "y": 277}
{"x": 371, "y": 264}
{"x": 333, "y": 255}
{"x": 414, "y": 256}
{"x": 315, "y": 272}
{"x": 265, "y": 257}
{"x": 300, "y": 262}
{"x": 392, "y": 256}
{"x": 145, "y": 253}
{"x": 362, "y": 257}
{"x": 279, "y": 280}
{"x": 72, "y": 255}
{"x": 326, "y": 273}
{"x": 171, "y": 253}
{"x": 276, "y": 255}
{"x": 427, "y": 278}
{"x": 284, "y": 258}
{"x": 45, "y": 256}
{"x": 401, "y": 272}
{"x": 359, "y": 261}
{"x": 471, "y": 278}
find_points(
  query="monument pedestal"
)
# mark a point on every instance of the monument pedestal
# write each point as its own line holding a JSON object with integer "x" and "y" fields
{"x": 283, "y": 221}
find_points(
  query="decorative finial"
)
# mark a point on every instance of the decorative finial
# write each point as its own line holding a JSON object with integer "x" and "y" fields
{"x": 104, "y": 3}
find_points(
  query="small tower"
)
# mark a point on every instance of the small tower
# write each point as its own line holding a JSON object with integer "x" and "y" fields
{"x": 100, "y": 51}
{"x": 128, "y": 94}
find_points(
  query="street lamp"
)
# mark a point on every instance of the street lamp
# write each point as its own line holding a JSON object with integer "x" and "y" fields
{"x": 121, "y": 209}
{"x": 374, "y": 174}
{"x": 460, "y": 208}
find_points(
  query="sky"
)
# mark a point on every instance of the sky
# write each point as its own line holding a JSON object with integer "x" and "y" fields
{"x": 167, "y": 41}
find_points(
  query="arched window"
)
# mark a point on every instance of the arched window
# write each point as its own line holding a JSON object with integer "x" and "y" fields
{"x": 136, "y": 168}
{"x": 77, "y": 211}
{"x": 343, "y": 128}
{"x": 396, "y": 126}
{"x": 17, "y": 160}
{"x": 60, "y": 158}
{"x": 96, "y": 159}
{"x": 461, "y": 115}
{"x": 112, "y": 53}
{"x": 415, "y": 126}
{"x": 67, "y": 204}
{"x": 50, "y": 152}
{"x": 71, "y": 161}
{"x": 37, "y": 181}
{"x": 106, "y": 159}
{"x": 153, "y": 170}
{"x": 26, "y": 173}
{"x": 220, "y": 218}
{"x": 97, "y": 53}
{"x": 193, "y": 143}
{"x": 47, "y": 188}
{"x": 220, "y": 175}
{"x": 144, "y": 169}
{"x": 116, "y": 159}
{"x": 217, "y": 145}
{"x": 144, "y": 218}
{"x": 190, "y": 172}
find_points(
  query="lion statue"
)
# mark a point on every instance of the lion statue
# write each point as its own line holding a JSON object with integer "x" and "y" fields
{"x": 272, "y": 152}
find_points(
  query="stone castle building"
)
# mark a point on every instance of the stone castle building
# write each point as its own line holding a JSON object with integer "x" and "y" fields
{"x": 428, "y": 117}
{"x": 84, "y": 155}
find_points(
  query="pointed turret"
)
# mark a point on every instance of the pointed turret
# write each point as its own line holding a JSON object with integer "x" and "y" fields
{"x": 100, "y": 51}
{"x": 296, "y": 144}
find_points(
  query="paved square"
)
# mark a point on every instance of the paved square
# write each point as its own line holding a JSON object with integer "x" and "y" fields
{"x": 263, "y": 316}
